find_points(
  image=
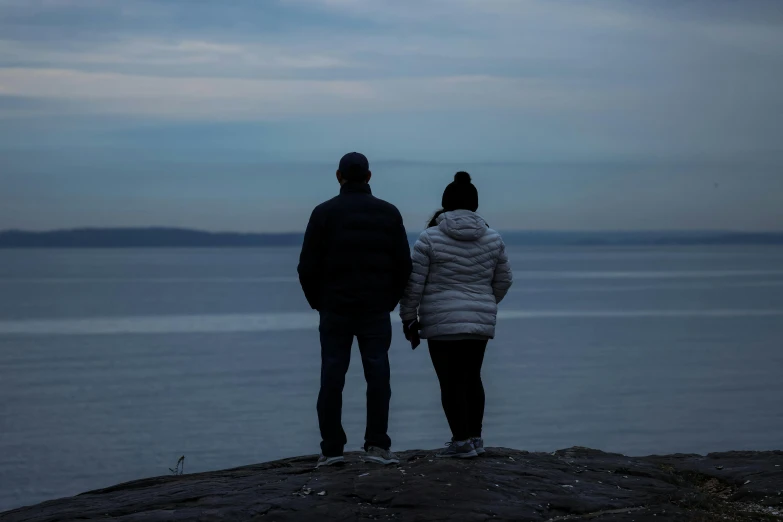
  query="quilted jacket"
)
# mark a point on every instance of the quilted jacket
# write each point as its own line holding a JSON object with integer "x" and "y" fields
{"x": 460, "y": 274}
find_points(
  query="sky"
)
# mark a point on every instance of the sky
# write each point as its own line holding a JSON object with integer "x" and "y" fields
{"x": 600, "y": 115}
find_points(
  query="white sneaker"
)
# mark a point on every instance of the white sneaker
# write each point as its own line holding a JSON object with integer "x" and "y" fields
{"x": 330, "y": 461}
{"x": 380, "y": 456}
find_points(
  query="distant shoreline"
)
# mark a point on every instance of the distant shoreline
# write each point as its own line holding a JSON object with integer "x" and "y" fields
{"x": 187, "y": 238}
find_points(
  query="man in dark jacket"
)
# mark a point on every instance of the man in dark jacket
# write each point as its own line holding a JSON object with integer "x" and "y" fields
{"x": 354, "y": 267}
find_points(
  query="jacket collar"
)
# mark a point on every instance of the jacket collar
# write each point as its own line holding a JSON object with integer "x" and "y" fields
{"x": 355, "y": 188}
{"x": 456, "y": 214}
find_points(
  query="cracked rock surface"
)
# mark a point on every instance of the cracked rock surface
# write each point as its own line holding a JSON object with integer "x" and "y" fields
{"x": 505, "y": 484}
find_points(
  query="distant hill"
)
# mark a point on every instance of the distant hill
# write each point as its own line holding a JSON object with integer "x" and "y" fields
{"x": 184, "y": 238}
{"x": 141, "y": 238}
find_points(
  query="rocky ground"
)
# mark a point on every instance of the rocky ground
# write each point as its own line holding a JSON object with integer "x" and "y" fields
{"x": 573, "y": 484}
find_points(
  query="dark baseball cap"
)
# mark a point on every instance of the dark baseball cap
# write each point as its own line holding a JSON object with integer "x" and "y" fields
{"x": 354, "y": 160}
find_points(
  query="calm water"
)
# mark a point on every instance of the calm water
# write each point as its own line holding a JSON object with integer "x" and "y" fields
{"x": 114, "y": 363}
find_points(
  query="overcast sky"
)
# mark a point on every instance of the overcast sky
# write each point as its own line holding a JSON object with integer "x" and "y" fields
{"x": 233, "y": 115}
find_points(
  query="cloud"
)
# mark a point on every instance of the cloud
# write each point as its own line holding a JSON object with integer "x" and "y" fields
{"x": 221, "y": 98}
{"x": 673, "y": 73}
{"x": 187, "y": 56}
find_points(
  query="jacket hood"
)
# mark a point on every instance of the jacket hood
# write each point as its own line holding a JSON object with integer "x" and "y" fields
{"x": 462, "y": 225}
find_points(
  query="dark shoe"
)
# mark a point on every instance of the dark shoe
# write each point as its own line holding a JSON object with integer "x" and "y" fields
{"x": 380, "y": 456}
{"x": 330, "y": 461}
{"x": 458, "y": 450}
{"x": 478, "y": 444}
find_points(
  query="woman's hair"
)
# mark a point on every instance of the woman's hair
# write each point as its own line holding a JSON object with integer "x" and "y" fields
{"x": 434, "y": 220}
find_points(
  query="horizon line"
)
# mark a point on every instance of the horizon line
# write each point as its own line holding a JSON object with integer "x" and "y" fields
{"x": 125, "y": 228}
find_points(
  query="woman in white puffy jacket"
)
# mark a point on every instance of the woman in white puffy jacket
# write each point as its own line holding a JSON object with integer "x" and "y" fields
{"x": 460, "y": 274}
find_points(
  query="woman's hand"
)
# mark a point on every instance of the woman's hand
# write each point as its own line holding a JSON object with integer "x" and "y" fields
{"x": 409, "y": 327}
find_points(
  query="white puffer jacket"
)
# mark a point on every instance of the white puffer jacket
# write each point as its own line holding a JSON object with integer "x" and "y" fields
{"x": 460, "y": 274}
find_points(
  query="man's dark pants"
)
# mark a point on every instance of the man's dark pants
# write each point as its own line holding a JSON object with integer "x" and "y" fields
{"x": 374, "y": 334}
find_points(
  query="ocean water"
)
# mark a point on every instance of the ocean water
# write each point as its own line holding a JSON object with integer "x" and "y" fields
{"x": 114, "y": 363}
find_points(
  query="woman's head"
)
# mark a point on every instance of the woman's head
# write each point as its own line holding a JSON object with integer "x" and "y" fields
{"x": 460, "y": 194}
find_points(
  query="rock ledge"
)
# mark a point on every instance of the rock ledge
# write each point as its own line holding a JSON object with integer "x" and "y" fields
{"x": 505, "y": 484}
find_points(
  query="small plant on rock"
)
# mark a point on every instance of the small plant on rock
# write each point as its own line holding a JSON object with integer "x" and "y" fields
{"x": 180, "y": 468}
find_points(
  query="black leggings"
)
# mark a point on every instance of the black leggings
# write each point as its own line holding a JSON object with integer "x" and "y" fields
{"x": 458, "y": 365}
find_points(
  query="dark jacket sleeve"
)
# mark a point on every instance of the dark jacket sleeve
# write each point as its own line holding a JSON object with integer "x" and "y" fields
{"x": 402, "y": 255}
{"x": 409, "y": 305}
{"x": 311, "y": 260}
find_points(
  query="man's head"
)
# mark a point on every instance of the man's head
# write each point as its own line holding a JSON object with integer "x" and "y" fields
{"x": 354, "y": 168}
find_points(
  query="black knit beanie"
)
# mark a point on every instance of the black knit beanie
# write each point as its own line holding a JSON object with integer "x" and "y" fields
{"x": 460, "y": 194}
